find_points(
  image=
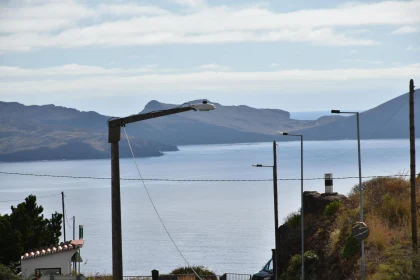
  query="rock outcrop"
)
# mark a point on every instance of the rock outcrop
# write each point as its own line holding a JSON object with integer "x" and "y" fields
{"x": 317, "y": 230}
{"x": 315, "y": 203}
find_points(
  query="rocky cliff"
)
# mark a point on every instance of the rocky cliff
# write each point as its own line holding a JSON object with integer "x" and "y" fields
{"x": 331, "y": 250}
{"x": 319, "y": 263}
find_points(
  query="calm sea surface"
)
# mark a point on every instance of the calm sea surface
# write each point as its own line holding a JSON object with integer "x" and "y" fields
{"x": 226, "y": 226}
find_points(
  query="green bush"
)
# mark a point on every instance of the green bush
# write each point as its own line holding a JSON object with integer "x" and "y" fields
{"x": 99, "y": 277}
{"x": 200, "y": 270}
{"x": 399, "y": 268}
{"x": 393, "y": 210}
{"x": 293, "y": 270}
{"x": 332, "y": 208}
{"x": 293, "y": 219}
{"x": 295, "y": 264}
{"x": 311, "y": 259}
{"x": 7, "y": 274}
{"x": 351, "y": 248}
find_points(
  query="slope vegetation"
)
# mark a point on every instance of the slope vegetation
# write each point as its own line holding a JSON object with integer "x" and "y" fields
{"x": 330, "y": 250}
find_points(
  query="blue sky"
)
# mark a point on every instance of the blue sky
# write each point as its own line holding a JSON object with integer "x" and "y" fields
{"x": 115, "y": 56}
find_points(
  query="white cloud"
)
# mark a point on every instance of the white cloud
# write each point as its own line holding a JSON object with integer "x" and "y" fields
{"x": 413, "y": 48}
{"x": 76, "y": 70}
{"x": 129, "y": 9}
{"x": 190, "y": 3}
{"x": 364, "y": 61}
{"x": 405, "y": 30}
{"x": 214, "y": 67}
{"x": 352, "y": 52}
{"x": 210, "y": 81}
{"x": 42, "y": 18}
{"x": 70, "y": 24}
{"x": 124, "y": 33}
{"x": 146, "y": 56}
{"x": 358, "y": 31}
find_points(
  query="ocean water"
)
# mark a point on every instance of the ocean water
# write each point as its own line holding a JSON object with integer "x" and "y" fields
{"x": 225, "y": 226}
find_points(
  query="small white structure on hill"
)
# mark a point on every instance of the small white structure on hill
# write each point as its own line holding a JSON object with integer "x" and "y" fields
{"x": 50, "y": 260}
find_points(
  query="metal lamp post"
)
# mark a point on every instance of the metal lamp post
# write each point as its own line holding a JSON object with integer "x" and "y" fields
{"x": 360, "y": 182}
{"x": 276, "y": 219}
{"x": 114, "y": 136}
{"x": 302, "y": 228}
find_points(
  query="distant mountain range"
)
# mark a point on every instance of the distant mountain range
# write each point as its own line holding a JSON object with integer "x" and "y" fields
{"x": 226, "y": 124}
{"x": 386, "y": 121}
{"x": 52, "y": 132}
{"x": 309, "y": 115}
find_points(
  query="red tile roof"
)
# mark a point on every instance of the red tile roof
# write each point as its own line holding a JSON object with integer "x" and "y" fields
{"x": 47, "y": 250}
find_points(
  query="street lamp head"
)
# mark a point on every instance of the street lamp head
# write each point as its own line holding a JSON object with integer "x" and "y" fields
{"x": 283, "y": 133}
{"x": 257, "y": 165}
{"x": 335, "y": 111}
{"x": 205, "y": 106}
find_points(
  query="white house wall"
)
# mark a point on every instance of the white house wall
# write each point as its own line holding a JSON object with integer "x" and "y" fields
{"x": 57, "y": 260}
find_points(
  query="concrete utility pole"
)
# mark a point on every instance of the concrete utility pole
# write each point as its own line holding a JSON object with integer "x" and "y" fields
{"x": 362, "y": 242}
{"x": 114, "y": 137}
{"x": 275, "y": 251}
{"x": 413, "y": 172}
{"x": 302, "y": 223}
{"x": 302, "y": 214}
{"x": 74, "y": 237}
{"x": 276, "y": 213}
{"x": 359, "y": 158}
{"x": 117, "y": 265}
{"x": 64, "y": 218}
{"x": 74, "y": 227}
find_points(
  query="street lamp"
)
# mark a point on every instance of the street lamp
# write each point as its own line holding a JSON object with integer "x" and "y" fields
{"x": 360, "y": 180}
{"x": 302, "y": 228}
{"x": 276, "y": 219}
{"x": 114, "y": 136}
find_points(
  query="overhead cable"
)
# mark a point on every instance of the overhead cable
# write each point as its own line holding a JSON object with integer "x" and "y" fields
{"x": 24, "y": 199}
{"x": 154, "y": 207}
{"x": 195, "y": 180}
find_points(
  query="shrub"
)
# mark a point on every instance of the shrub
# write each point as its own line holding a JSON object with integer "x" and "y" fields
{"x": 351, "y": 247}
{"x": 293, "y": 219}
{"x": 345, "y": 222}
{"x": 399, "y": 268}
{"x": 311, "y": 260}
{"x": 374, "y": 190}
{"x": 332, "y": 208}
{"x": 380, "y": 233}
{"x": 393, "y": 209}
{"x": 293, "y": 270}
{"x": 7, "y": 274}
{"x": 200, "y": 270}
{"x": 334, "y": 239}
{"x": 97, "y": 276}
{"x": 295, "y": 264}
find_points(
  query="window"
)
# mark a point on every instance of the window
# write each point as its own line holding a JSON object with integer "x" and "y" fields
{"x": 48, "y": 271}
{"x": 268, "y": 266}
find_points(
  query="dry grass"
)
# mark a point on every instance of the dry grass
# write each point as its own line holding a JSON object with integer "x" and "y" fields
{"x": 334, "y": 239}
{"x": 387, "y": 212}
{"x": 380, "y": 233}
{"x": 100, "y": 277}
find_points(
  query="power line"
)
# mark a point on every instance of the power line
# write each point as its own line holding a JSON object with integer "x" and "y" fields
{"x": 65, "y": 210}
{"x": 13, "y": 200}
{"x": 56, "y": 176}
{"x": 154, "y": 206}
{"x": 195, "y": 180}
